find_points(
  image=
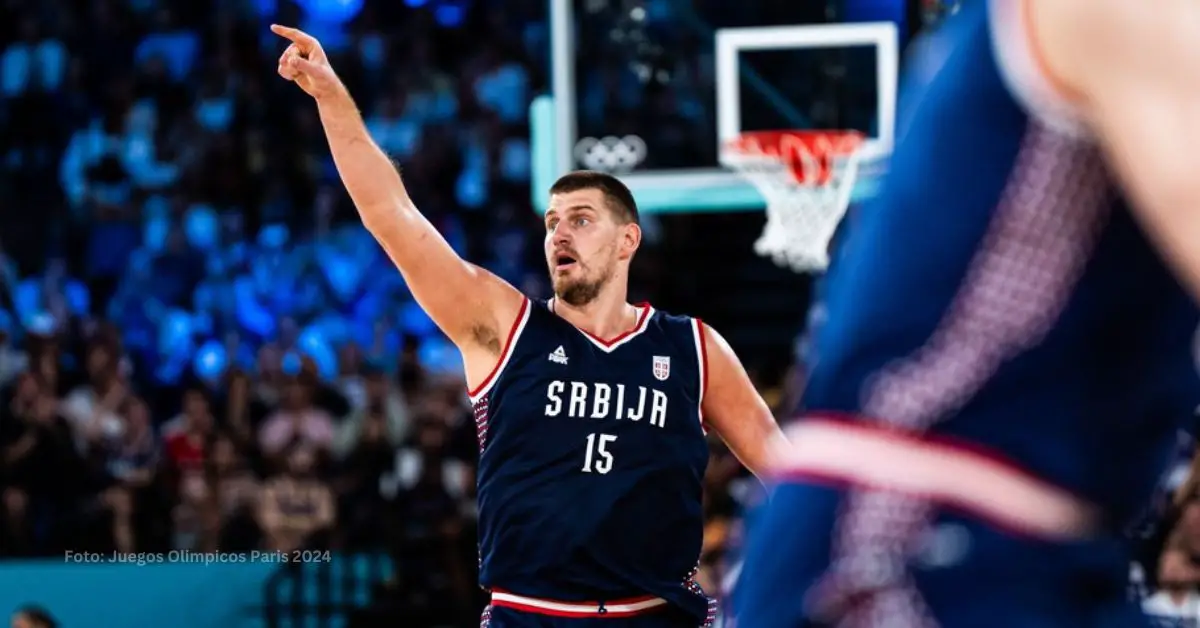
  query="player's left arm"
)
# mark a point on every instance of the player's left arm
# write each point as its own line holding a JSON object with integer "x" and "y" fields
{"x": 733, "y": 408}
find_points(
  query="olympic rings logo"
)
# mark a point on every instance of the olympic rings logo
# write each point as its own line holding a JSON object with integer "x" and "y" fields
{"x": 611, "y": 153}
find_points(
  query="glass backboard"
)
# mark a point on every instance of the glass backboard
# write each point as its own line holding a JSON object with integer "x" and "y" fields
{"x": 649, "y": 89}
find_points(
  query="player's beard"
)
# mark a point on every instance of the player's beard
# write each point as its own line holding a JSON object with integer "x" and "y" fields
{"x": 581, "y": 291}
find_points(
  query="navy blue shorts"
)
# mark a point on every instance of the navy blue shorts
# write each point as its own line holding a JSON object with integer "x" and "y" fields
{"x": 956, "y": 572}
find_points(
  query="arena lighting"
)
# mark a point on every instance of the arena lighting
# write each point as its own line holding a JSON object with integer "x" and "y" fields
{"x": 334, "y": 11}
{"x": 632, "y": 31}
{"x": 450, "y": 15}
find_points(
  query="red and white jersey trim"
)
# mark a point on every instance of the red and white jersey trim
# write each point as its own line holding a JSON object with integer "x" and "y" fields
{"x": 702, "y": 362}
{"x": 868, "y": 456}
{"x": 514, "y": 334}
{"x": 608, "y": 346}
{"x": 615, "y": 609}
{"x": 1025, "y": 72}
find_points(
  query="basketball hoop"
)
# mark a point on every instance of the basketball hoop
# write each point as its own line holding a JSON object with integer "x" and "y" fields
{"x": 807, "y": 178}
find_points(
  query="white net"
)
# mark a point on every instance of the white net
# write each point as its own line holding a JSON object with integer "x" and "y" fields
{"x": 805, "y": 203}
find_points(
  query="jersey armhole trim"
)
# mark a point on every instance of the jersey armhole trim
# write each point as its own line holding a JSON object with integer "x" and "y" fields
{"x": 702, "y": 362}
{"x": 1022, "y": 64}
{"x": 505, "y": 354}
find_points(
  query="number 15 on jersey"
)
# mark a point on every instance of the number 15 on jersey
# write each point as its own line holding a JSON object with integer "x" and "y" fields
{"x": 598, "y": 458}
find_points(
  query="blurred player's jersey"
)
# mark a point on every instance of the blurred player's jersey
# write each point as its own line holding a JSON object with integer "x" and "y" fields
{"x": 999, "y": 291}
{"x": 592, "y": 460}
{"x": 995, "y": 311}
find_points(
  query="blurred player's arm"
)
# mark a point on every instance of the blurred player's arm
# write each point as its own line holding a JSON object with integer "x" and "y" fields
{"x": 734, "y": 409}
{"x": 1132, "y": 71}
{"x": 471, "y": 305}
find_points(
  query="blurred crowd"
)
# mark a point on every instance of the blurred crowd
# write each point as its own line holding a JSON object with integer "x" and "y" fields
{"x": 161, "y": 177}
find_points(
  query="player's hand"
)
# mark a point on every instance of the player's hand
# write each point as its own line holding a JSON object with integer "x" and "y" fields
{"x": 305, "y": 64}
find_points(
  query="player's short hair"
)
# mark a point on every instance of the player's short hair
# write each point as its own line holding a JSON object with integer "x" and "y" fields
{"x": 619, "y": 198}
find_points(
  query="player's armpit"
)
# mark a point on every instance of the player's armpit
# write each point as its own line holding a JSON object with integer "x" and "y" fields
{"x": 734, "y": 409}
{"x": 1137, "y": 71}
{"x": 473, "y": 307}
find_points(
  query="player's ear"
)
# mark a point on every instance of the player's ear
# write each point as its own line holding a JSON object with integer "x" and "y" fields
{"x": 631, "y": 239}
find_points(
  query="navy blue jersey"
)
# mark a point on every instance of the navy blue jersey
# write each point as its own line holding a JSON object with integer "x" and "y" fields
{"x": 999, "y": 290}
{"x": 997, "y": 297}
{"x": 592, "y": 458}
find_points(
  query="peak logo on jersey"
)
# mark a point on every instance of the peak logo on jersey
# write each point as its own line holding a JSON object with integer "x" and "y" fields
{"x": 559, "y": 356}
{"x": 662, "y": 367}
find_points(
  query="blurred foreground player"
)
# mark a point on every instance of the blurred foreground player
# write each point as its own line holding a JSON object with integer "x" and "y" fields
{"x": 997, "y": 387}
{"x": 590, "y": 410}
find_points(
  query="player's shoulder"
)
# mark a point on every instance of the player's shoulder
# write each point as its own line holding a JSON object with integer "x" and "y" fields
{"x": 1022, "y": 53}
{"x": 682, "y": 331}
{"x": 1060, "y": 56}
{"x": 667, "y": 320}
{"x": 537, "y": 311}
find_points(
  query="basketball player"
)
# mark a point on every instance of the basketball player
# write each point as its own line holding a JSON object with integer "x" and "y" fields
{"x": 996, "y": 389}
{"x": 591, "y": 411}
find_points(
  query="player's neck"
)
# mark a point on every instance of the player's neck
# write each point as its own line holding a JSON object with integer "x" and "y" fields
{"x": 606, "y": 316}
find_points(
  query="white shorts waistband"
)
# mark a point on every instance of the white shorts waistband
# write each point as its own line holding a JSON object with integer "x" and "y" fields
{"x": 871, "y": 456}
{"x": 627, "y": 607}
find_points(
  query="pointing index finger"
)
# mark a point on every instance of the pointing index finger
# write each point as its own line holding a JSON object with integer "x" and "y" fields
{"x": 302, "y": 39}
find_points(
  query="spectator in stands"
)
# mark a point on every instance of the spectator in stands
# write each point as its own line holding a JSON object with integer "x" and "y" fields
{"x": 37, "y": 459}
{"x": 367, "y": 456}
{"x": 384, "y": 412}
{"x": 186, "y": 436}
{"x": 91, "y": 409}
{"x": 241, "y": 411}
{"x": 186, "y": 447}
{"x": 54, "y": 293}
{"x": 33, "y": 617}
{"x": 269, "y": 380}
{"x": 350, "y": 381}
{"x": 428, "y": 534}
{"x": 297, "y": 419}
{"x": 1187, "y": 530}
{"x": 13, "y": 360}
{"x": 323, "y": 394}
{"x": 295, "y": 505}
{"x": 1176, "y": 601}
{"x": 132, "y": 462}
{"x": 45, "y": 362}
{"x": 231, "y": 492}
{"x": 178, "y": 269}
{"x": 723, "y": 470}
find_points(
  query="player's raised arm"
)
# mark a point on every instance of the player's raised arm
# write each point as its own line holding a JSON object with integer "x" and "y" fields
{"x": 472, "y": 306}
{"x": 734, "y": 409}
{"x": 1132, "y": 72}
